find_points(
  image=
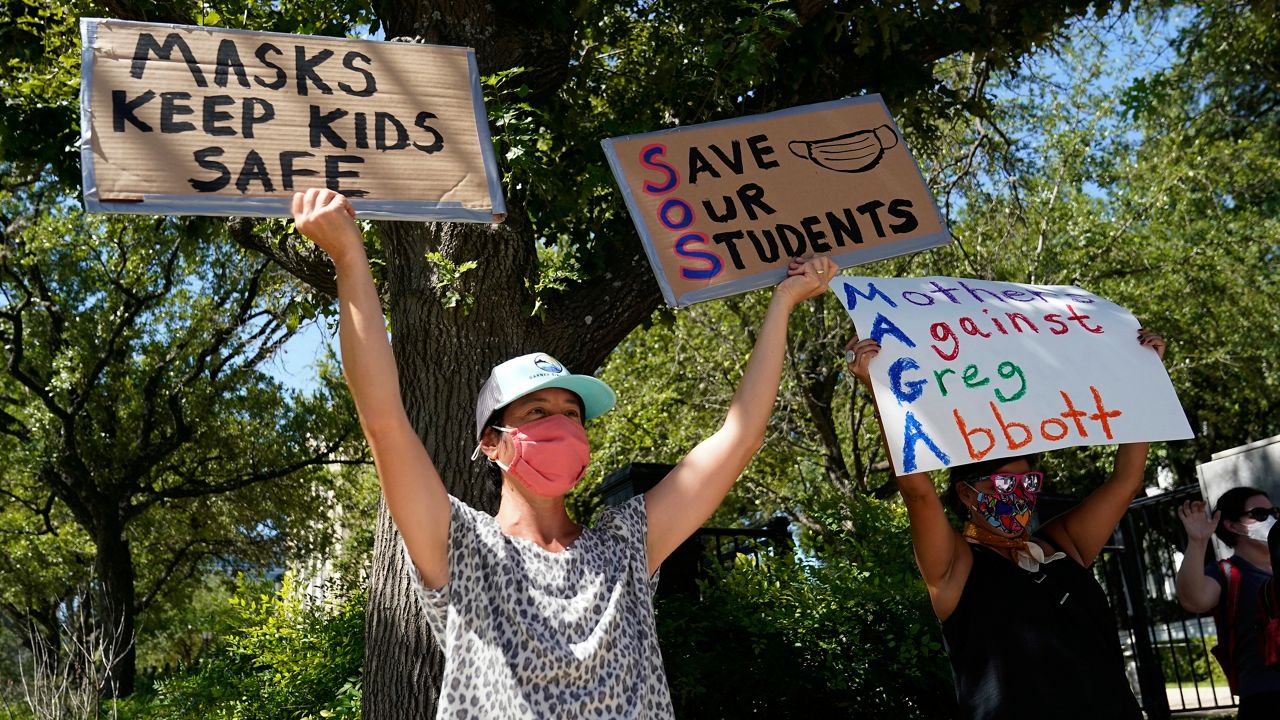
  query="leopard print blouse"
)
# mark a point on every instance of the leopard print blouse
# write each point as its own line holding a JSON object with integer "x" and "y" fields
{"x": 529, "y": 633}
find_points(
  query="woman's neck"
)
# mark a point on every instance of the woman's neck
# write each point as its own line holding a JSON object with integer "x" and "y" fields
{"x": 542, "y": 520}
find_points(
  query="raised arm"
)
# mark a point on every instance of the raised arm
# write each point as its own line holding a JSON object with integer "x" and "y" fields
{"x": 414, "y": 493}
{"x": 1083, "y": 531}
{"x": 687, "y": 496}
{"x": 941, "y": 554}
{"x": 1196, "y": 591}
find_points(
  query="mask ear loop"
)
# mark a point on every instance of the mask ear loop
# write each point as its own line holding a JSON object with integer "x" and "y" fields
{"x": 476, "y": 453}
{"x": 977, "y": 493}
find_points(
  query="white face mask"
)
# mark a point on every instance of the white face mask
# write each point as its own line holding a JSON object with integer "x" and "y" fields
{"x": 1260, "y": 530}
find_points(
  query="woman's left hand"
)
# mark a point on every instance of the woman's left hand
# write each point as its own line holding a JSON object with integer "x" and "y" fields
{"x": 1152, "y": 340}
{"x": 806, "y": 279}
{"x": 858, "y": 355}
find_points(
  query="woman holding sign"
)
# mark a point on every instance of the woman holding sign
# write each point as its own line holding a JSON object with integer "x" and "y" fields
{"x": 539, "y": 617}
{"x": 1026, "y": 626}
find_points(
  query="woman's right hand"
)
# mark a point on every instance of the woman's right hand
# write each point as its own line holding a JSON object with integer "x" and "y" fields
{"x": 858, "y": 355}
{"x": 327, "y": 218}
{"x": 1198, "y": 524}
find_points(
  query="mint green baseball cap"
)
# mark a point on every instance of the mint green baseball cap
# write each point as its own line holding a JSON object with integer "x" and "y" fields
{"x": 522, "y": 375}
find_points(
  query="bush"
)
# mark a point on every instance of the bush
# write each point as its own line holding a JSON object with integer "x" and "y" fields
{"x": 1190, "y": 662}
{"x": 287, "y": 656}
{"x": 778, "y": 639}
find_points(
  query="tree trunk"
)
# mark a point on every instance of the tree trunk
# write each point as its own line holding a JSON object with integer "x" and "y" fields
{"x": 443, "y": 357}
{"x": 115, "y": 617}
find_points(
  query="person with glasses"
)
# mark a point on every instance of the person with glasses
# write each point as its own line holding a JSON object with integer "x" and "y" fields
{"x": 1026, "y": 626}
{"x": 1231, "y": 589}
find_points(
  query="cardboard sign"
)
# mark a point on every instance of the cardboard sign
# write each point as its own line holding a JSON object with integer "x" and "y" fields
{"x": 207, "y": 121}
{"x": 722, "y": 207}
{"x": 972, "y": 369}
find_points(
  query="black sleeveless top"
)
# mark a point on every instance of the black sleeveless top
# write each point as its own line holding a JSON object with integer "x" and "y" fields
{"x": 1036, "y": 644}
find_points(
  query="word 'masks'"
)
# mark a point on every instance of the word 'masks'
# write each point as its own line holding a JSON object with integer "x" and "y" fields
{"x": 173, "y": 114}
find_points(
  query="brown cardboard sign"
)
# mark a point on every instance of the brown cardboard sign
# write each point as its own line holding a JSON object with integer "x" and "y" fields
{"x": 722, "y": 207}
{"x": 208, "y": 121}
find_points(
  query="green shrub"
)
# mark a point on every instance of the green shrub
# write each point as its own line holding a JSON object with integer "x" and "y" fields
{"x": 1190, "y": 662}
{"x": 779, "y": 639}
{"x": 287, "y": 656}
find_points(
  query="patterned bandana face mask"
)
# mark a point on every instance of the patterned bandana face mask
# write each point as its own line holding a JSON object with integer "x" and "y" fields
{"x": 1009, "y": 508}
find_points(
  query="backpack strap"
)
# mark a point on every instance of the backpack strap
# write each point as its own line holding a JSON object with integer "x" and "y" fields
{"x": 1271, "y": 599}
{"x": 1232, "y": 574}
{"x": 1270, "y": 624}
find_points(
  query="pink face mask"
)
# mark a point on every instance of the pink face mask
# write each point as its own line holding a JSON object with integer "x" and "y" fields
{"x": 552, "y": 455}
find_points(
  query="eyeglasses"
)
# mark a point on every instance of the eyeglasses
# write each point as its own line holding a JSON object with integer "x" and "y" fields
{"x": 1261, "y": 513}
{"x": 1006, "y": 482}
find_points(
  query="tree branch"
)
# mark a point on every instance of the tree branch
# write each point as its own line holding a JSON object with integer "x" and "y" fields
{"x": 298, "y": 257}
{"x": 590, "y": 320}
{"x": 170, "y": 568}
{"x": 193, "y": 486}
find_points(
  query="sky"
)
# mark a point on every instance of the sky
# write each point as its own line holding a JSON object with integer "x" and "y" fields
{"x": 296, "y": 365}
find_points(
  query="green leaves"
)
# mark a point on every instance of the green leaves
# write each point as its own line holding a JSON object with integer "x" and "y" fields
{"x": 814, "y": 636}
{"x": 135, "y": 408}
{"x": 447, "y": 275}
{"x": 287, "y": 655}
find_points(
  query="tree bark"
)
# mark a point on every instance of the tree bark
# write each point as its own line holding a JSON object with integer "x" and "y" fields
{"x": 115, "y": 620}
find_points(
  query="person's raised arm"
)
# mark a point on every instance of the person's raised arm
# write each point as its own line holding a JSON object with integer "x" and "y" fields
{"x": 1083, "y": 531}
{"x": 687, "y": 496}
{"x": 1196, "y": 591}
{"x": 940, "y": 552}
{"x": 414, "y": 494}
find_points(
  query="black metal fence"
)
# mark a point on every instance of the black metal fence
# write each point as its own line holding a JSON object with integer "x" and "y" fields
{"x": 708, "y": 546}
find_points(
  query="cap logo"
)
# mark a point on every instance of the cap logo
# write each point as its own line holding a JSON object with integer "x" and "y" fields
{"x": 545, "y": 363}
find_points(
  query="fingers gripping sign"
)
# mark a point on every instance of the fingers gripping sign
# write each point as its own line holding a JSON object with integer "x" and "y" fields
{"x": 327, "y": 219}
{"x": 806, "y": 278}
{"x": 858, "y": 355}
{"x": 1155, "y": 341}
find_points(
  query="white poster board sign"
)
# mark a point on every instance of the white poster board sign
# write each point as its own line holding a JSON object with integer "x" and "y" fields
{"x": 972, "y": 370}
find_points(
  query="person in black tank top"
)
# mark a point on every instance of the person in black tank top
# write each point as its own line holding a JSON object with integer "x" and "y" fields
{"x": 1027, "y": 627}
{"x": 1035, "y": 644}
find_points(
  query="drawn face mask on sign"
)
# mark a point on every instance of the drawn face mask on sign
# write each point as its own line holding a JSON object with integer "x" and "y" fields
{"x": 852, "y": 152}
